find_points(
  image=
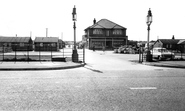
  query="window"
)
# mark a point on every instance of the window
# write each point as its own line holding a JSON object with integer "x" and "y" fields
{"x": 5, "y": 44}
{"x": 170, "y": 45}
{"x": 117, "y": 32}
{"x": 107, "y": 33}
{"x": 53, "y": 44}
{"x": 21, "y": 44}
{"x": 97, "y": 31}
{"x": 41, "y": 44}
{"x": 9, "y": 44}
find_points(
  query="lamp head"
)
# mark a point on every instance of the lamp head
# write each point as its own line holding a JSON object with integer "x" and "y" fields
{"x": 74, "y": 14}
{"x": 149, "y": 17}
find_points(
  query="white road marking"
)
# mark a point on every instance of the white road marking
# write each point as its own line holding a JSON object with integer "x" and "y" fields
{"x": 78, "y": 86}
{"x": 138, "y": 88}
{"x": 57, "y": 82}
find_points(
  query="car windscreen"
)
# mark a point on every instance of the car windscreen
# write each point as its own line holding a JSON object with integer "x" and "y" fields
{"x": 162, "y": 50}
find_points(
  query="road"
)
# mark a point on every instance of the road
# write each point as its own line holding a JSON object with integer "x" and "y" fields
{"x": 109, "y": 82}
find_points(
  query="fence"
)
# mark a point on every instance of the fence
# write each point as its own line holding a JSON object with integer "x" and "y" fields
{"x": 65, "y": 53}
{"x": 142, "y": 55}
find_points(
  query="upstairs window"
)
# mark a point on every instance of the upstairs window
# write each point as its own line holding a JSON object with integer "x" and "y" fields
{"x": 97, "y": 31}
{"x": 21, "y": 44}
{"x": 117, "y": 32}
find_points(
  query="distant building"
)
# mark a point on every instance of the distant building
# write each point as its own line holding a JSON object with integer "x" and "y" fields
{"x": 132, "y": 43}
{"x": 17, "y": 43}
{"x": 46, "y": 43}
{"x": 61, "y": 44}
{"x": 69, "y": 44}
{"x": 175, "y": 45}
{"x": 105, "y": 33}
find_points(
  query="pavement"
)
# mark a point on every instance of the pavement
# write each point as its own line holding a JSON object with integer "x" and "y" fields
{"x": 170, "y": 64}
{"x": 49, "y": 65}
{"x": 39, "y": 65}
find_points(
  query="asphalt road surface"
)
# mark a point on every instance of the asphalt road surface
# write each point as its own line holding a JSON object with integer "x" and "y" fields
{"x": 109, "y": 82}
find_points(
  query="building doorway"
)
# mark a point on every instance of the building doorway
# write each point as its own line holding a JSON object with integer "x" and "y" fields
{"x": 109, "y": 45}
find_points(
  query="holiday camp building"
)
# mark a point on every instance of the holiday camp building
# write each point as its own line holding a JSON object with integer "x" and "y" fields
{"x": 175, "y": 45}
{"x": 105, "y": 33}
{"x": 17, "y": 43}
{"x": 46, "y": 44}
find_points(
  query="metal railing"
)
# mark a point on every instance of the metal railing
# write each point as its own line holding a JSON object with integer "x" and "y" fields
{"x": 28, "y": 56}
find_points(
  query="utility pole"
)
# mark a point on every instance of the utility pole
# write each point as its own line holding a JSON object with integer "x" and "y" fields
{"x": 46, "y": 32}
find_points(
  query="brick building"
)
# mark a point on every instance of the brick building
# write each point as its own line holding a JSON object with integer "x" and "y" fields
{"x": 105, "y": 33}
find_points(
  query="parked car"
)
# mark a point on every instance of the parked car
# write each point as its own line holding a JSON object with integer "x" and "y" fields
{"x": 162, "y": 53}
{"x": 126, "y": 49}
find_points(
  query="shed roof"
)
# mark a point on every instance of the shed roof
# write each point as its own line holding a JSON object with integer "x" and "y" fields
{"x": 15, "y": 39}
{"x": 46, "y": 39}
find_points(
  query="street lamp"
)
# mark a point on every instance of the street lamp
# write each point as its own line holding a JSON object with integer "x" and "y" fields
{"x": 148, "y": 22}
{"x": 75, "y": 54}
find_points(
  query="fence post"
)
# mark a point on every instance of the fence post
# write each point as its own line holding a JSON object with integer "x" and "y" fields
{"x": 84, "y": 54}
{"x": 142, "y": 55}
{"x": 15, "y": 52}
{"x": 51, "y": 51}
{"x": 3, "y": 52}
{"x": 139, "y": 54}
{"x": 28, "y": 52}
{"x": 63, "y": 52}
{"x": 39, "y": 53}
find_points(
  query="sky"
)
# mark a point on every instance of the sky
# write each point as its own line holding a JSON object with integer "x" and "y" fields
{"x": 32, "y": 17}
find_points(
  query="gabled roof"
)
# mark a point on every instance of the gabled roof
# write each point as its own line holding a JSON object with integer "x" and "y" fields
{"x": 181, "y": 42}
{"x": 107, "y": 24}
{"x": 169, "y": 41}
{"x": 46, "y": 39}
{"x": 15, "y": 39}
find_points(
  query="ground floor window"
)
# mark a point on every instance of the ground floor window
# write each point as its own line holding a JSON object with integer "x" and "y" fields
{"x": 41, "y": 44}
{"x": 109, "y": 43}
{"x": 21, "y": 44}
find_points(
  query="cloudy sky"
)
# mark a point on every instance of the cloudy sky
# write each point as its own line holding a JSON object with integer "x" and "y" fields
{"x": 24, "y": 16}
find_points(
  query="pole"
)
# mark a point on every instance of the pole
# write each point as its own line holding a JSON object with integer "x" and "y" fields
{"x": 142, "y": 54}
{"x": 148, "y": 56}
{"x": 30, "y": 33}
{"x": 3, "y": 52}
{"x": 84, "y": 53}
{"x": 74, "y": 54}
{"x": 15, "y": 52}
{"x": 139, "y": 54}
{"x": 51, "y": 51}
{"x": 63, "y": 52}
{"x": 46, "y": 32}
{"x": 39, "y": 52}
{"x": 28, "y": 52}
{"x": 148, "y": 37}
{"x": 74, "y": 35}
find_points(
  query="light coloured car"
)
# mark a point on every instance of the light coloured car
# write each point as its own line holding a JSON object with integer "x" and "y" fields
{"x": 162, "y": 53}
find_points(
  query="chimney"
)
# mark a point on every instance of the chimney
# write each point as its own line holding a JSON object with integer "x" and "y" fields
{"x": 94, "y": 21}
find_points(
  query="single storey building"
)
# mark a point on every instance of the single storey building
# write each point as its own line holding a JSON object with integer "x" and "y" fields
{"x": 46, "y": 44}
{"x": 17, "y": 43}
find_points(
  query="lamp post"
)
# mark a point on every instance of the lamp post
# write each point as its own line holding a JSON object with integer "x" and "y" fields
{"x": 75, "y": 54}
{"x": 148, "y": 22}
